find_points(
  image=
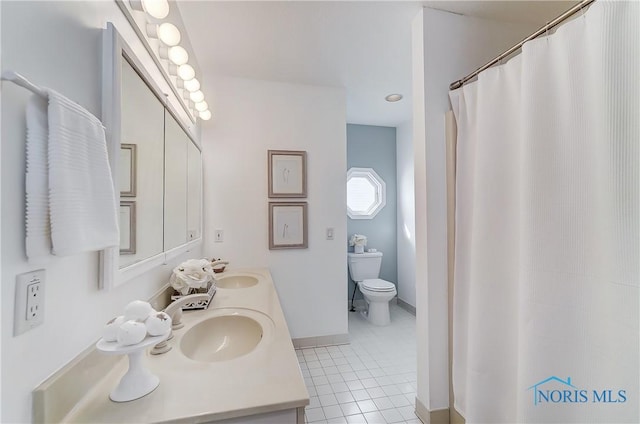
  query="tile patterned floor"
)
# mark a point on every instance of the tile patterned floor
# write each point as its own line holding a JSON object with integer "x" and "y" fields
{"x": 372, "y": 380}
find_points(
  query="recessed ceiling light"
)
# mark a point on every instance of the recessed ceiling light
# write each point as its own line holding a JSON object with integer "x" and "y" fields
{"x": 393, "y": 98}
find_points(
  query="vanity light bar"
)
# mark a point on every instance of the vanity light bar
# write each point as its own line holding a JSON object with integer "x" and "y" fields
{"x": 176, "y": 55}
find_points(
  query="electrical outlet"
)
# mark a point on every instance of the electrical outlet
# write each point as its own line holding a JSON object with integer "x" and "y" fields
{"x": 219, "y": 236}
{"x": 29, "y": 306}
{"x": 34, "y": 301}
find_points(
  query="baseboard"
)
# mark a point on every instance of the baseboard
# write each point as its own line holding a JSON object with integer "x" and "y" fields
{"x": 436, "y": 416}
{"x": 407, "y": 307}
{"x": 330, "y": 340}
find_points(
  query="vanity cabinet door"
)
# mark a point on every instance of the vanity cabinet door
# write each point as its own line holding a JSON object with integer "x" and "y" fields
{"x": 194, "y": 192}
{"x": 176, "y": 143}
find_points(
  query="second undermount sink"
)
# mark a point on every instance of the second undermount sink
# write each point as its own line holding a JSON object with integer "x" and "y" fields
{"x": 221, "y": 338}
{"x": 236, "y": 282}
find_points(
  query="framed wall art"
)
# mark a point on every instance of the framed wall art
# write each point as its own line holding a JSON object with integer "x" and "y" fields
{"x": 287, "y": 173}
{"x": 288, "y": 225}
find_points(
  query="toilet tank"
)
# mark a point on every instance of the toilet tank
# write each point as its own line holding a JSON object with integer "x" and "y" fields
{"x": 364, "y": 266}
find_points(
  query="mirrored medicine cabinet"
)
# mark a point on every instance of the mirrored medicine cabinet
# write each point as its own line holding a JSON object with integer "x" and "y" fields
{"x": 156, "y": 163}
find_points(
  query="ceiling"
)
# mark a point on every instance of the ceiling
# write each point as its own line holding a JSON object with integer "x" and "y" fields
{"x": 363, "y": 46}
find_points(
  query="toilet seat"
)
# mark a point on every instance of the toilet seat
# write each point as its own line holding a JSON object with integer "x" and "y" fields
{"x": 378, "y": 285}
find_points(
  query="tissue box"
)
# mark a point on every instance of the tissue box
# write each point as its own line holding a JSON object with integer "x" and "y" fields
{"x": 201, "y": 304}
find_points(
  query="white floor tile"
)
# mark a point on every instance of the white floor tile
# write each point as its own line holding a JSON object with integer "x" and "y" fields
{"x": 320, "y": 380}
{"x": 407, "y": 412}
{"x": 314, "y": 364}
{"x": 360, "y": 394}
{"x": 374, "y": 417}
{"x": 345, "y": 397}
{"x": 327, "y": 363}
{"x": 350, "y": 408}
{"x": 356, "y": 419}
{"x": 377, "y": 372}
{"x": 383, "y": 403}
{"x": 339, "y": 387}
{"x": 350, "y": 376}
{"x": 324, "y": 390}
{"x": 405, "y": 388}
{"x": 334, "y": 411}
{"x": 371, "y": 380}
{"x": 384, "y": 381}
{"x": 367, "y": 406}
{"x": 355, "y": 385}
{"x": 316, "y": 372}
{"x": 399, "y": 401}
{"x": 328, "y": 400}
{"x": 362, "y": 374}
{"x": 345, "y": 368}
{"x": 391, "y": 416}
{"x": 331, "y": 370}
{"x": 391, "y": 390}
{"x": 314, "y": 402}
{"x": 335, "y": 378}
{"x": 314, "y": 414}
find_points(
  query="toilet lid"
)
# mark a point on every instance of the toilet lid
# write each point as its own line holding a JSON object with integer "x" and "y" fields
{"x": 378, "y": 285}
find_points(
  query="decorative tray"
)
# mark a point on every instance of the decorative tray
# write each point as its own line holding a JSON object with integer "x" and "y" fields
{"x": 198, "y": 304}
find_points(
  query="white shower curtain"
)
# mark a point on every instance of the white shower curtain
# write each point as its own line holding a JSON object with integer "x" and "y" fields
{"x": 547, "y": 257}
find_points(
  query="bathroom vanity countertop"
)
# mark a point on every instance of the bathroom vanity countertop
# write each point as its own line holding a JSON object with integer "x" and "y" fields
{"x": 265, "y": 380}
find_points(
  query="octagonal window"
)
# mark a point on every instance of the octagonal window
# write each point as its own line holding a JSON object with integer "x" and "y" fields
{"x": 366, "y": 193}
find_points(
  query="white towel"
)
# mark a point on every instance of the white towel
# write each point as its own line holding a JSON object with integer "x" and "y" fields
{"x": 81, "y": 202}
{"x": 38, "y": 240}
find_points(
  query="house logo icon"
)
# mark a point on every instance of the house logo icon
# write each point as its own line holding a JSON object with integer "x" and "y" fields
{"x": 554, "y": 390}
{"x": 546, "y": 395}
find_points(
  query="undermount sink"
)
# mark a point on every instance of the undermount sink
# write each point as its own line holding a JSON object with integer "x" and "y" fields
{"x": 221, "y": 338}
{"x": 236, "y": 282}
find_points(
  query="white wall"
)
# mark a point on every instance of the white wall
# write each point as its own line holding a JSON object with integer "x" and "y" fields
{"x": 446, "y": 46}
{"x": 406, "y": 214}
{"x": 249, "y": 118}
{"x": 57, "y": 45}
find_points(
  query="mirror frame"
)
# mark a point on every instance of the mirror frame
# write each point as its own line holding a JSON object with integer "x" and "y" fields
{"x": 114, "y": 51}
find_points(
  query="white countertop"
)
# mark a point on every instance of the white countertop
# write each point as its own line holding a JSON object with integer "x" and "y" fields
{"x": 265, "y": 380}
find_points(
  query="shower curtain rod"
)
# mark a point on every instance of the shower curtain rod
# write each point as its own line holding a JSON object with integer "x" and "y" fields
{"x": 566, "y": 15}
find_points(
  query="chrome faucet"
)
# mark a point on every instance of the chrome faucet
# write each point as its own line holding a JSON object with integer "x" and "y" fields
{"x": 174, "y": 310}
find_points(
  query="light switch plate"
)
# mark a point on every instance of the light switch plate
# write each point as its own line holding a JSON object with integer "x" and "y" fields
{"x": 330, "y": 233}
{"x": 219, "y": 236}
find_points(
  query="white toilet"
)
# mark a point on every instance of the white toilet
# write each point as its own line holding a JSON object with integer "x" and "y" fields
{"x": 364, "y": 269}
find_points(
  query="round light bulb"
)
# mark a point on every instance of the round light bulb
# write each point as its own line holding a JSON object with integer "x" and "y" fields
{"x": 169, "y": 34}
{"x": 192, "y": 85}
{"x": 186, "y": 72}
{"x": 202, "y": 106}
{"x": 158, "y": 9}
{"x": 178, "y": 55}
{"x": 206, "y": 115}
{"x": 197, "y": 96}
